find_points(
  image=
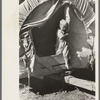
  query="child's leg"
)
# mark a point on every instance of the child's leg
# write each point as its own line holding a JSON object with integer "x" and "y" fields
{"x": 61, "y": 47}
{"x": 65, "y": 55}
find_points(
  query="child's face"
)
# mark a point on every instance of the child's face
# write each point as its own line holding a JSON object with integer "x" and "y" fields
{"x": 62, "y": 26}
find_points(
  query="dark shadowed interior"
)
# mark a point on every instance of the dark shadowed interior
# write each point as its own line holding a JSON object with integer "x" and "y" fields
{"x": 44, "y": 38}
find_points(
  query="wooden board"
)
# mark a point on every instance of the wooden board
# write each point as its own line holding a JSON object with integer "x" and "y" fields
{"x": 46, "y": 65}
{"x": 89, "y": 85}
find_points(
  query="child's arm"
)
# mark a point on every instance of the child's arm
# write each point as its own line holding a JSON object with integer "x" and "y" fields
{"x": 60, "y": 33}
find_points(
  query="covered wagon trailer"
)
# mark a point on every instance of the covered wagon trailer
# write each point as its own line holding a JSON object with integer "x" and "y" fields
{"x": 39, "y": 22}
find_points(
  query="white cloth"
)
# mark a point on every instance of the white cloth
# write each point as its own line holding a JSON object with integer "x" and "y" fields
{"x": 25, "y": 8}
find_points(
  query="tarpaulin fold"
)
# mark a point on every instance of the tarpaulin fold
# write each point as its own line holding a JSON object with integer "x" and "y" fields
{"x": 37, "y": 16}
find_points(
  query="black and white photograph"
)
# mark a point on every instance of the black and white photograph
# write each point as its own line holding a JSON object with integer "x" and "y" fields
{"x": 57, "y": 49}
{"x": 57, "y": 56}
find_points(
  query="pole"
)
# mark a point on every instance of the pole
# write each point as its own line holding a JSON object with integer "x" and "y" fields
{"x": 28, "y": 76}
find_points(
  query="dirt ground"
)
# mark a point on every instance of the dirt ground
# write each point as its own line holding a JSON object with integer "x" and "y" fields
{"x": 49, "y": 89}
{"x": 25, "y": 94}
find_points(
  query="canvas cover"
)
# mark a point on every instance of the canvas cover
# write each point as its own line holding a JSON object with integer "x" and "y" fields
{"x": 38, "y": 28}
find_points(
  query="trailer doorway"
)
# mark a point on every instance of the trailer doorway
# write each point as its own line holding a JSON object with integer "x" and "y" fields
{"x": 44, "y": 38}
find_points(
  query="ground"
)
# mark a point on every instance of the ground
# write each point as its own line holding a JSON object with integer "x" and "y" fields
{"x": 25, "y": 94}
{"x": 49, "y": 89}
